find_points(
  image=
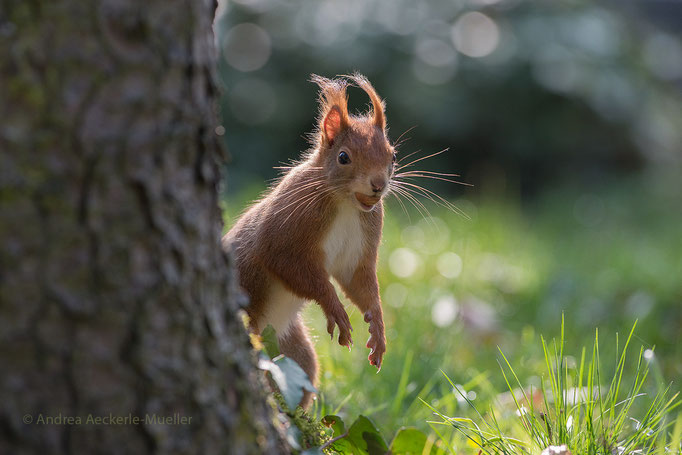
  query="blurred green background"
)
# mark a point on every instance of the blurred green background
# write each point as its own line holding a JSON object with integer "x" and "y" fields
{"x": 565, "y": 116}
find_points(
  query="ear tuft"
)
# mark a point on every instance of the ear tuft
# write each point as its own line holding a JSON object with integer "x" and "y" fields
{"x": 332, "y": 124}
{"x": 333, "y": 116}
{"x": 378, "y": 108}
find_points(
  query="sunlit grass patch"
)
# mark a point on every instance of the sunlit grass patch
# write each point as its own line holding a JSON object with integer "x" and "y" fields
{"x": 579, "y": 406}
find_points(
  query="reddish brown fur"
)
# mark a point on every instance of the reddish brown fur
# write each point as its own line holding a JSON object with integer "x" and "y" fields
{"x": 282, "y": 239}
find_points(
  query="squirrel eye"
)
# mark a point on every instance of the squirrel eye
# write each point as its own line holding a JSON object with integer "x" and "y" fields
{"x": 344, "y": 158}
{"x": 394, "y": 157}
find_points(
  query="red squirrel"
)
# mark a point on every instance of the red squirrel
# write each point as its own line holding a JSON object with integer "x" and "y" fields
{"x": 322, "y": 220}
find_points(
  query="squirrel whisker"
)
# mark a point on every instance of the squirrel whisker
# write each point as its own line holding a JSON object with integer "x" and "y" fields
{"x": 421, "y": 192}
{"x": 278, "y": 179}
{"x": 398, "y": 141}
{"x": 399, "y": 192}
{"x": 430, "y": 194}
{"x": 311, "y": 204}
{"x": 423, "y": 158}
{"x": 397, "y": 198}
{"x": 294, "y": 195}
{"x": 305, "y": 199}
{"x": 416, "y": 203}
{"x": 309, "y": 185}
{"x": 406, "y": 157}
{"x": 310, "y": 199}
{"x": 434, "y": 173}
{"x": 294, "y": 165}
{"x": 417, "y": 174}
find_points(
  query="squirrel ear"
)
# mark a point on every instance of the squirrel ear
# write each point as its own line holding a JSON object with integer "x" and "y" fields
{"x": 333, "y": 107}
{"x": 332, "y": 124}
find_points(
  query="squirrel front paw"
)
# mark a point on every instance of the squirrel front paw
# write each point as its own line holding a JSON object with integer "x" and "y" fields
{"x": 337, "y": 316}
{"x": 377, "y": 339}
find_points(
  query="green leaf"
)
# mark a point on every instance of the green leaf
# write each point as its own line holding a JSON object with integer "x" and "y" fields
{"x": 289, "y": 377}
{"x": 269, "y": 338}
{"x": 408, "y": 441}
{"x": 342, "y": 446}
{"x": 366, "y": 438}
{"x": 335, "y": 423}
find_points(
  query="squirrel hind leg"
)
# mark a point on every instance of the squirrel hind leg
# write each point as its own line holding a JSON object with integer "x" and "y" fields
{"x": 297, "y": 345}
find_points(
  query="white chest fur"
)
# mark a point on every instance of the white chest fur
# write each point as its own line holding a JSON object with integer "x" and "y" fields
{"x": 344, "y": 243}
{"x": 343, "y": 246}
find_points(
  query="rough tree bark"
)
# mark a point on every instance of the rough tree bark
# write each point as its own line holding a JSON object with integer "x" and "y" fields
{"x": 116, "y": 299}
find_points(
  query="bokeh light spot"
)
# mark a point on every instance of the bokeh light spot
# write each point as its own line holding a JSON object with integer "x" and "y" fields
{"x": 594, "y": 31}
{"x": 557, "y": 69}
{"x": 436, "y": 234}
{"x": 475, "y": 34}
{"x": 403, "y": 262}
{"x": 663, "y": 55}
{"x": 640, "y": 304}
{"x": 402, "y": 18}
{"x": 449, "y": 264}
{"x": 247, "y": 47}
{"x": 444, "y": 311}
{"x": 436, "y": 61}
{"x": 460, "y": 393}
{"x": 413, "y": 236}
{"x": 435, "y": 52}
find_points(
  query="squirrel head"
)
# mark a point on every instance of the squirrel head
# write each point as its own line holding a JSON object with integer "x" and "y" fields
{"x": 354, "y": 151}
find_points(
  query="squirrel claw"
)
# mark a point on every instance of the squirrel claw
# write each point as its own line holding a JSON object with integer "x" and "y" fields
{"x": 336, "y": 316}
{"x": 377, "y": 346}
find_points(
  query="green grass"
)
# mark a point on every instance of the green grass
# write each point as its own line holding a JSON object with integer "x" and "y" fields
{"x": 576, "y": 405}
{"x": 604, "y": 256}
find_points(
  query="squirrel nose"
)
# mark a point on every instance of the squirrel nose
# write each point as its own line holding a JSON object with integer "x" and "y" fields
{"x": 378, "y": 184}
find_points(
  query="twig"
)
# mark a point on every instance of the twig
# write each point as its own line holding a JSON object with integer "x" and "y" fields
{"x": 332, "y": 441}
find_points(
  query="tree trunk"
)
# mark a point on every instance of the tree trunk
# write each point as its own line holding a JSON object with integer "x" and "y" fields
{"x": 117, "y": 302}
